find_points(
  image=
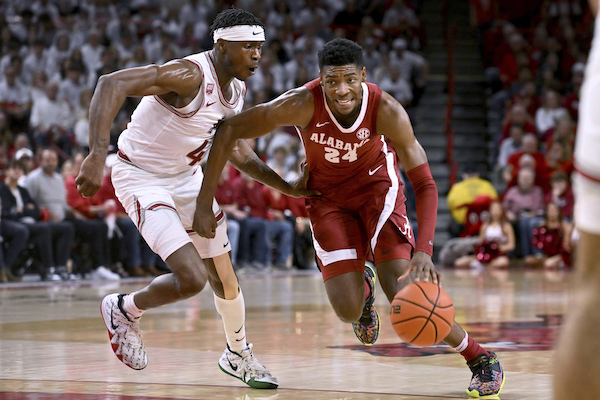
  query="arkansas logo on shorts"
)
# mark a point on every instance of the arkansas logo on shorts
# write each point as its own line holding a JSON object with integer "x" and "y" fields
{"x": 363, "y": 133}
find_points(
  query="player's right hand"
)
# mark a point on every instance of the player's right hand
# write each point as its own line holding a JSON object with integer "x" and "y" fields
{"x": 205, "y": 223}
{"x": 90, "y": 175}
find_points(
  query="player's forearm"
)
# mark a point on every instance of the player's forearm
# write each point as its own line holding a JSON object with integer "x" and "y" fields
{"x": 426, "y": 196}
{"x": 105, "y": 105}
{"x": 260, "y": 171}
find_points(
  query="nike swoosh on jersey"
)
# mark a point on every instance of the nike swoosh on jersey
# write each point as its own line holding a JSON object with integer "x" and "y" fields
{"x": 225, "y": 245}
{"x": 210, "y": 104}
{"x": 256, "y": 33}
{"x": 372, "y": 171}
{"x": 320, "y": 124}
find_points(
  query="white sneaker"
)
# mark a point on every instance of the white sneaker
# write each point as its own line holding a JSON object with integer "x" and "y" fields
{"x": 124, "y": 332}
{"x": 246, "y": 367}
{"x": 104, "y": 274}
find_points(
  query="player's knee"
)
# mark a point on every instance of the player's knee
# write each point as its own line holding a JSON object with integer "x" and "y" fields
{"x": 191, "y": 282}
{"x": 348, "y": 310}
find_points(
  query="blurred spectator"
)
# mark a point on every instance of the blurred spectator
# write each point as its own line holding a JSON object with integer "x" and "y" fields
{"x": 47, "y": 188}
{"x": 81, "y": 130}
{"x": 254, "y": 240}
{"x": 15, "y": 100}
{"x": 528, "y": 157}
{"x": 550, "y": 112}
{"x": 25, "y": 157}
{"x": 280, "y": 228}
{"x": 13, "y": 239}
{"x": 462, "y": 194}
{"x": 551, "y": 240}
{"x": 36, "y": 60}
{"x": 52, "y": 240}
{"x": 521, "y": 203}
{"x": 413, "y": 67}
{"x": 72, "y": 85}
{"x": 58, "y": 52}
{"x": 496, "y": 241}
{"x": 52, "y": 120}
{"x": 510, "y": 145}
{"x": 517, "y": 114}
{"x": 561, "y": 194}
{"x": 394, "y": 83}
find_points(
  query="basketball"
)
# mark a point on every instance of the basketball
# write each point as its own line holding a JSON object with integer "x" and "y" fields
{"x": 422, "y": 314}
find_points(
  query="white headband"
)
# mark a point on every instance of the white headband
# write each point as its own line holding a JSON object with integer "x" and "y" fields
{"x": 240, "y": 33}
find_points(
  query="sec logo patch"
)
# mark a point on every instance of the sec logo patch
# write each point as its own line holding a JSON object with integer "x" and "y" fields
{"x": 363, "y": 133}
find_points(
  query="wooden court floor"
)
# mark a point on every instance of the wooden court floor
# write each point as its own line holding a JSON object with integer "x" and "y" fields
{"x": 53, "y": 344}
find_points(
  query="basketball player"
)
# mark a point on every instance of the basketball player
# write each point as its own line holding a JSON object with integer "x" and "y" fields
{"x": 353, "y": 134}
{"x": 157, "y": 179}
{"x": 579, "y": 344}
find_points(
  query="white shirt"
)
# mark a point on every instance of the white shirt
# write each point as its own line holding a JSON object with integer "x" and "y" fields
{"x": 166, "y": 140}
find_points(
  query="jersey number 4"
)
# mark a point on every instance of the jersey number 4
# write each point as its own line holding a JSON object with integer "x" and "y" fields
{"x": 196, "y": 155}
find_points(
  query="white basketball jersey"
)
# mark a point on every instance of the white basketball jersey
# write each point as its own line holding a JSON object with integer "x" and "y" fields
{"x": 166, "y": 140}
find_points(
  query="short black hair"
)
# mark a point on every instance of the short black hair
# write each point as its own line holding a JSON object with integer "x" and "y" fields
{"x": 341, "y": 51}
{"x": 233, "y": 17}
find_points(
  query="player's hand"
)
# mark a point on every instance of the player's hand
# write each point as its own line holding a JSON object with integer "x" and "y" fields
{"x": 205, "y": 223}
{"x": 422, "y": 266}
{"x": 299, "y": 186}
{"x": 90, "y": 175}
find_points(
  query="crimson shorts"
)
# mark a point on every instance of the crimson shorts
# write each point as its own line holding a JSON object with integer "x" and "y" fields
{"x": 346, "y": 227}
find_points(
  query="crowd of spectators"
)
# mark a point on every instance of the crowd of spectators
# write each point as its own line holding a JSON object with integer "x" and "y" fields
{"x": 534, "y": 54}
{"x": 52, "y": 53}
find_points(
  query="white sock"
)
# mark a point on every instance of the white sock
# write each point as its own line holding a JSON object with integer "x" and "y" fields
{"x": 233, "y": 313}
{"x": 130, "y": 307}
{"x": 463, "y": 345}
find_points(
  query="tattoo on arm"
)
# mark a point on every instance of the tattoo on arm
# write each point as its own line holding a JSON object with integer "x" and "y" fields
{"x": 101, "y": 146}
{"x": 257, "y": 169}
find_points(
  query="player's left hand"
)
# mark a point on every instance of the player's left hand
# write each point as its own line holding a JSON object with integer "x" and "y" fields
{"x": 205, "y": 223}
{"x": 90, "y": 175}
{"x": 299, "y": 186}
{"x": 424, "y": 270}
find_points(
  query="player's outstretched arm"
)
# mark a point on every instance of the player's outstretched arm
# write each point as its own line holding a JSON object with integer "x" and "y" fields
{"x": 178, "y": 81}
{"x": 394, "y": 123}
{"x": 294, "y": 107}
{"x": 247, "y": 161}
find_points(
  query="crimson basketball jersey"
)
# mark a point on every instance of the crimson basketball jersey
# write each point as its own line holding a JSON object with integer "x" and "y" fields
{"x": 336, "y": 155}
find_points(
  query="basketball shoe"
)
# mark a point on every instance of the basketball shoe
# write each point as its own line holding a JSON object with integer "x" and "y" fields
{"x": 124, "y": 332}
{"x": 246, "y": 367}
{"x": 366, "y": 328}
{"x": 488, "y": 377}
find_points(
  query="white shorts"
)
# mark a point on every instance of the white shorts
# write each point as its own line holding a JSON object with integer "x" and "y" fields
{"x": 163, "y": 206}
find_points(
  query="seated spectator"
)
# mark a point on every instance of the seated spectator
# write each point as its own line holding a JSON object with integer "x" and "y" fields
{"x": 551, "y": 240}
{"x": 280, "y": 228}
{"x": 528, "y": 157}
{"x": 52, "y": 120}
{"x": 394, "y": 83}
{"x": 254, "y": 244}
{"x": 47, "y": 188}
{"x": 517, "y": 114}
{"x": 463, "y": 193}
{"x": 49, "y": 238}
{"x": 510, "y": 145}
{"x": 13, "y": 236}
{"x": 15, "y": 100}
{"x": 98, "y": 216}
{"x": 522, "y": 203}
{"x": 413, "y": 68}
{"x": 549, "y": 113}
{"x": 561, "y": 194}
{"x": 496, "y": 241}
{"x": 559, "y": 157}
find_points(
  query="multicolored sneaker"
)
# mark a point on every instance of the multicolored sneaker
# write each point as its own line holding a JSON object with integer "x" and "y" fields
{"x": 124, "y": 332}
{"x": 488, "y": 377}
{"x": 366, "y": 328}
{"x": 246, "y": 367}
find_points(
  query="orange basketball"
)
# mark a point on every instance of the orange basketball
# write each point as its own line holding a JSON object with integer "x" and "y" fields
{"x": 422, "y": 314}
